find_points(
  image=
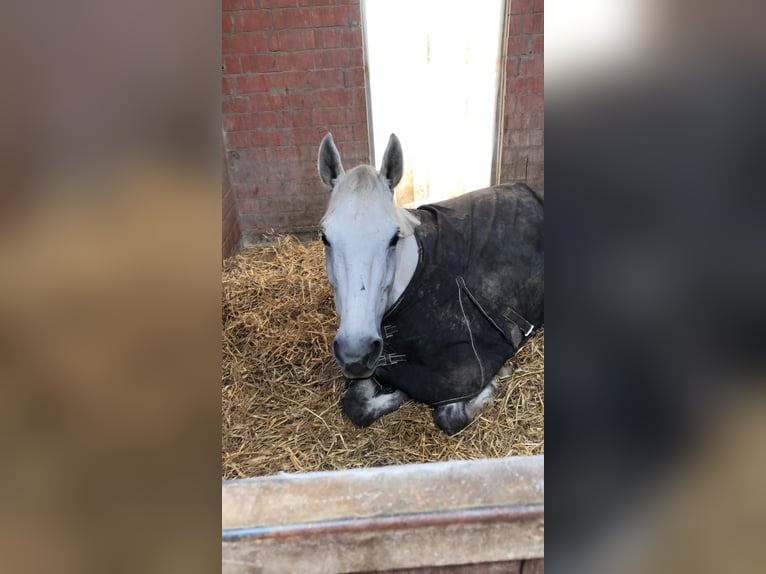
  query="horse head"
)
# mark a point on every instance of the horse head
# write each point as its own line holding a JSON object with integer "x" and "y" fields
{"x": 367, "y": 261}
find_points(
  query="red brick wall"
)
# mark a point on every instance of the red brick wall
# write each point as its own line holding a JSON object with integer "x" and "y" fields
{"x": 522, "y": 156}
{"x": 292, "y": 70}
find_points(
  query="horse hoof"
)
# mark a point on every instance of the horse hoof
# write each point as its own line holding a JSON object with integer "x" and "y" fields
{"x": 355, "y": 411}
{"x": 451, "y": 418}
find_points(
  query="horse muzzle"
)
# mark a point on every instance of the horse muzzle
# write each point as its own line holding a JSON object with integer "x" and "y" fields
{"x": 357, "y": 358}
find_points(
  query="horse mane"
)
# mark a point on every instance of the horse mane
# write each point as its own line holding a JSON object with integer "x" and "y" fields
{"x": 364, "y": 180}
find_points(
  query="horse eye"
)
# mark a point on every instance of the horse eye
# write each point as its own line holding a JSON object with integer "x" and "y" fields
{"x": 324, "y": 240}
{"x": 394, "y": 240}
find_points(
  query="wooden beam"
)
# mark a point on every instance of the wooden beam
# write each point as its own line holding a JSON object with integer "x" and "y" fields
{"x": 406, "y": 516}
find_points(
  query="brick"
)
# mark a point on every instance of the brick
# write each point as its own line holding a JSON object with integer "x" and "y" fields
{"x": 539, "y": 6}
{"x": 300, "y": 100}
{"x": 234, "y": 105}
{"x": 237, "y": 140}
{"x": 278, "y": 203}
{"x": 360, "y": 132}
{"x": 354, "y": 16}
{"x": 316, "y": 2}
{"x": 526, "y": 24}
{"x": 515, "y": 121}
{"x": 330, "y": 16}
{"x": 532, "y": 66}
{"x": 354, "y": 77}
{"x": 528, "y": 85}
{"x": 250, "y": 84}
{"x": 295, "y": 61}
{"x": 520, "y": 6}
{"x": 536, "y": 137}
{"x": 519, "y": 139}
{"x": 262, "y": 138}
{"x": 530, "y": 103}
{"x": 249, "y": 222}
{"x": 536, "y": 45}
{"x": 299, "y": 118}
{"x": 327, "y": 38}
{"x": 536, "y": 154}
{"x": 244, "y": 43}
{"x": 248, "y": 205}
{"x": 296, "y": 153}
{"x": 352, "y": 37}
{"x": 308, "y": 39}
{"x": 533, "y": 24}
{"x": 516, "y": 45}
{"x": 249, "y": 122}
{"x": 286, "y": 41}
{"x": 535, "y": 84}
{"x": 310, "y": 135}
{"x": 278, "y": 3}
{"x": 516, "y": 25}
{"x": 242, "y": 191}
{"x": 226, "y": 26}
{"x": 227, "y": 85}
{"x": 291, "y": 18}
{"x": 537, "y": 120}
{"x": 343, "y": 134}
{"x": 510, "y": 103}
{"x": 332, "y": 58}
{"x": 252, "y": 21}
{"x": 239, "y": 4}
{"x": 265, "y": 102}
{"x": 258, "y": 63}
{"x": 230, "y": 65}
{"x": 358, "y": 97}
{"x": 326, "y": 79}
{"x": 356, "y": 59}
{"x": 291, "y": 80}
{"x": 333, "y": 98}
{"x": 357, "y": 114}
{"x": 514, "y": 164}
{"x": 329, "y": 116}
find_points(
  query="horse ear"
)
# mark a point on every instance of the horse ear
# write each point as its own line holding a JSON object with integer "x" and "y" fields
{"x": 392, "y": 166}
{"x": 330, "y": 167}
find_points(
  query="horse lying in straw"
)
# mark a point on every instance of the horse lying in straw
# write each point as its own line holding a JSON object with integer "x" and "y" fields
{"x": 431, "y": 301}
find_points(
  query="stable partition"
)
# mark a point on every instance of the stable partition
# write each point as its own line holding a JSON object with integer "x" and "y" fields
{"x": 483, "y": 516}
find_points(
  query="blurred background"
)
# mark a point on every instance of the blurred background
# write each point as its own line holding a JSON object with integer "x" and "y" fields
{"x": 109, "y": 286}
{"x": 656, "y": 283}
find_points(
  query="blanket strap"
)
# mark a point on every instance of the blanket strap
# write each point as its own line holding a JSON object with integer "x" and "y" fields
{"x": 522, "y": 328}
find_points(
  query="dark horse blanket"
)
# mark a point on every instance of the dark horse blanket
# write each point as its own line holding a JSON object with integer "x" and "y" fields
{"x": 477, "y": 293}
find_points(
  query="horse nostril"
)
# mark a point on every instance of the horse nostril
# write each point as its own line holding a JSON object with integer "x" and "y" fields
{"x": 375, "y": 349}
{"x": 336, "y": 349}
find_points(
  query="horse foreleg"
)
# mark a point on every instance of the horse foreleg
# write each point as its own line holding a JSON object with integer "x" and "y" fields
{"x": 454, "y": 417}
{"x": 364, "y": 402}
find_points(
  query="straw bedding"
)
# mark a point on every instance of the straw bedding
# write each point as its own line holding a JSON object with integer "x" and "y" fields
{"x": 281, "y": 387}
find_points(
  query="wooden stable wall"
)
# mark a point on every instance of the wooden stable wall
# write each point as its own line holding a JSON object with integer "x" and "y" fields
{"x": 294, "y": 69}
{"x": 471, "y": 517}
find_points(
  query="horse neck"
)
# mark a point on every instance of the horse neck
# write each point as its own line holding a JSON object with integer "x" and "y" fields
{"x": 406, "y": 263}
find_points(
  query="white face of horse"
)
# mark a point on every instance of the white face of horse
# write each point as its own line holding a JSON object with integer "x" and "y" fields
{"x": 360, "y": 230}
